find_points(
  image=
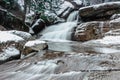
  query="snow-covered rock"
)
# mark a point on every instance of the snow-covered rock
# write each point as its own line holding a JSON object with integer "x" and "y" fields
{"x": 35, "y": 45}
{"x": 10, "y": 53}
{"x": 100, "y": 11}
{"x": 24, "y": 35}
{"x": 7, "y": 37}
{"x": 11, "y": 44}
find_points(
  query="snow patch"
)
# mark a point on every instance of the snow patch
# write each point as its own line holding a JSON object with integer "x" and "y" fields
{"x": 113, "y": 40}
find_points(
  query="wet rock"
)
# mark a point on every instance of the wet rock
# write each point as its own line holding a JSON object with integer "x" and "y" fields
{"x": 91, "y": 30}
{"x": 99, "y": 12}
{"x": 34, "y": 46}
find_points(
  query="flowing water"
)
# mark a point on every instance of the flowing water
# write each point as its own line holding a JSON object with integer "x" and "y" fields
{"x": 61, "y": 31}
{"x": 59, "y": 35}
{"x": 55, "y": 65}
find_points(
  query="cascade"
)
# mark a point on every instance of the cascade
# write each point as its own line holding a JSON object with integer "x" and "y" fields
{"x": 73, "y": 16}
{"x": 61, "y": 31}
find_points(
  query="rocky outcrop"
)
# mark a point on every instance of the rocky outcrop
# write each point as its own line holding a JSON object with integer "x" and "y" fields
{"x": 99, "y": 12}
{"x": 34, "y": 46}
{"x": 99, "y": 19}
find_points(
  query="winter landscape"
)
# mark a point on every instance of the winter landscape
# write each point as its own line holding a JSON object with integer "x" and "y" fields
{"x": 59, "y": 40}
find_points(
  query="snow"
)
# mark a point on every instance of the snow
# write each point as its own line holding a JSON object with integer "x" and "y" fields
{"x": 115, "y": 20}
{"x": 21, "y": 3}
{"x": 5, "y": 37}
{"x": 9, "y": 52}
{"x": 33, "y": 43}
{"x": 107, "y": 50}
{"x": 112, "y": 40}
{"x": 67, "y": 4}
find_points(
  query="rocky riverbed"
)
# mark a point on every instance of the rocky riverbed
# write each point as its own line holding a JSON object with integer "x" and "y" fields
{"x": 92, "y": 54}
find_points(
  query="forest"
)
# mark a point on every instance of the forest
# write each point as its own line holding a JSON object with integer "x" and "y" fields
{"x": 59, "y": 39}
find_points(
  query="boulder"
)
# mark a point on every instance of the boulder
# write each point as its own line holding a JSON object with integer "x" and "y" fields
{"x": 34, "y": 46}
{"x": 10, "y": 46}
{"x": 91, "y": 30}
{"x": 9, "y": 53}
{"x": 99, "y": 12}
{"x": 95, "y": 29}
{"x": 26, "y": 36}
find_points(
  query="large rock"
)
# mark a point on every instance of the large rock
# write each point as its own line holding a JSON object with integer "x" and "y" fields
{"x": 99, "y": 12}
{"x": 91, "y": 30}
{"x": 26, "y": 36}
{"x": 34, "y": 46}
{"x": 95, "y": 29}
{"x": 9, "y": 53}
{"x": 10, "y": 46}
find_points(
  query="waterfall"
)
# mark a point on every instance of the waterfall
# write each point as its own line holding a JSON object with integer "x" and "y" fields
{"x": 73, "y": 16}
{"x": 61, "y": 31}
